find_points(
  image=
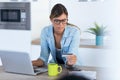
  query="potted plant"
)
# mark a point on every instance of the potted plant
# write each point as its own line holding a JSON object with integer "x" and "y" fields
{"x": 99, "y": 32}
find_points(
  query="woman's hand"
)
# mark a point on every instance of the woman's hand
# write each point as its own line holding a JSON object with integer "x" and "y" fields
{"x": 37, "y": 62}
{"x": 71, "y": 59}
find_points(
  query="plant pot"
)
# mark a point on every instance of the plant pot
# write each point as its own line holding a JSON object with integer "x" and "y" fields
{"x": 99, "y": 40}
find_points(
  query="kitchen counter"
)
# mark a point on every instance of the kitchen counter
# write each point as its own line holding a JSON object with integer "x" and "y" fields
{"x": 44, "y": 76}
{"x": 84, "y": 43}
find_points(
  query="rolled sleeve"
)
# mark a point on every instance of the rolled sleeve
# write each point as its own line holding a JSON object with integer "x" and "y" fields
{"x": 45, "y": 51}
{"x": 72, "y": 44}
{"x": 75, "y": 43}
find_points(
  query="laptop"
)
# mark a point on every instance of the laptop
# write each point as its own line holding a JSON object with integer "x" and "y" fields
{"x": 19, "y": 62}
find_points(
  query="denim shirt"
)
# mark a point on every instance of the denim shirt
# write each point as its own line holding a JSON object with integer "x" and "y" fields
{"x": 69, "y": 43}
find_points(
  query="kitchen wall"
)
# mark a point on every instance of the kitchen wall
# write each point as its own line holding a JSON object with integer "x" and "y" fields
{"x": 39, "y": 17}
{"x": 83, "y": 14}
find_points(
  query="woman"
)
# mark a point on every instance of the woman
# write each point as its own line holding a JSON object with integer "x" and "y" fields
{"x": 58, "y": 39}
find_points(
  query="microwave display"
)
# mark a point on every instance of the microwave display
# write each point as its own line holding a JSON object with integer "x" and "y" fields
{"x": 10, "y": 15}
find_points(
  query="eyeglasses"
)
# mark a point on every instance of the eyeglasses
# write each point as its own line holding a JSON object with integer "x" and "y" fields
{"x": 57, "y": 21}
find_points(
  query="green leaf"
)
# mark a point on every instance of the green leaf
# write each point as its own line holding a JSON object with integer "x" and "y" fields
{"x": 97, "y": 30}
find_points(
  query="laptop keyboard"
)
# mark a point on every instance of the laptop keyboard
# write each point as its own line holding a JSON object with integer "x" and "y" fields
{"x": 40, "y": 70}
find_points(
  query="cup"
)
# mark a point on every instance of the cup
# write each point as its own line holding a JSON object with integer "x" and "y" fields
{"x": 54, "y": 69}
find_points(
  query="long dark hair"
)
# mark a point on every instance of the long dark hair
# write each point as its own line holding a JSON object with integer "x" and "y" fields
{"x": 58, "y": 10}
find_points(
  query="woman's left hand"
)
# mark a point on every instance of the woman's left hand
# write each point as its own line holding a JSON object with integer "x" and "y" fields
{"x": 71, "y": 59}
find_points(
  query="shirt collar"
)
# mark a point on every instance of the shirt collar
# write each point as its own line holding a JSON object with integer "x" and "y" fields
{"x": 65, "y": 34}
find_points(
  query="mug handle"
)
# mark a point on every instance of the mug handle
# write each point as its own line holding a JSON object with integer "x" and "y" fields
{"x": 60, "y": 69}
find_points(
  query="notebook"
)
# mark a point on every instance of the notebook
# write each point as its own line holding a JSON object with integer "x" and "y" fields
{"x": 19, "y": 62}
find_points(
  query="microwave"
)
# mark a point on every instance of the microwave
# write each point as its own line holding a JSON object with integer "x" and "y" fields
{"x": 12, "y": 15}
{"x": 15, "y": 15}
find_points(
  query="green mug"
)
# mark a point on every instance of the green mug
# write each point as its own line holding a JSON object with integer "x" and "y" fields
{"x": 54, "y": 69}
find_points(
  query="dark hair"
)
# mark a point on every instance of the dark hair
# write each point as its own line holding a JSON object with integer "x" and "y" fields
{"x": 73, "y": 77}
{"x": 58, "y": 10}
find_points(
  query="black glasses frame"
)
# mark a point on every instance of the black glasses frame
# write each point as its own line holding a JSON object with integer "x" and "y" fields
{"x": 63, "y": 21}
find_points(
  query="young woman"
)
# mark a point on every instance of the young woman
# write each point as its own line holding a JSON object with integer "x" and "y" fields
{"x": 59, "y": 38}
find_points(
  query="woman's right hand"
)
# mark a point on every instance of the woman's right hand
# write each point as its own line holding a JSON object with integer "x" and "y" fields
{"x": 37, "y": 62}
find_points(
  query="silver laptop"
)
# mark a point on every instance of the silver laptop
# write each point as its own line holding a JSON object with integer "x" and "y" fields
{"x": 19, "y": 62}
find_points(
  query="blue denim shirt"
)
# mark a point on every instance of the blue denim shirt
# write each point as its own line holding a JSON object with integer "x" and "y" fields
{"x": 69, "y": 43}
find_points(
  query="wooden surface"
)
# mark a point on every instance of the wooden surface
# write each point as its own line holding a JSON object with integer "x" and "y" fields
{"x": 84, "y": 43}
{"x": 43, "y": 76}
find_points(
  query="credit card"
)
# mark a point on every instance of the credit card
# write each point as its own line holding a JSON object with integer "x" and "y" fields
{"x": 65, "y": 55}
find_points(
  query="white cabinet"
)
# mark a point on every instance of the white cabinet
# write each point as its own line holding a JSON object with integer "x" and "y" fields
{"x": 93, "y": 57}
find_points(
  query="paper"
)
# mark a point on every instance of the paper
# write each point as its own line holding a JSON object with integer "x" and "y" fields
{"x": 89, "y": 74}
